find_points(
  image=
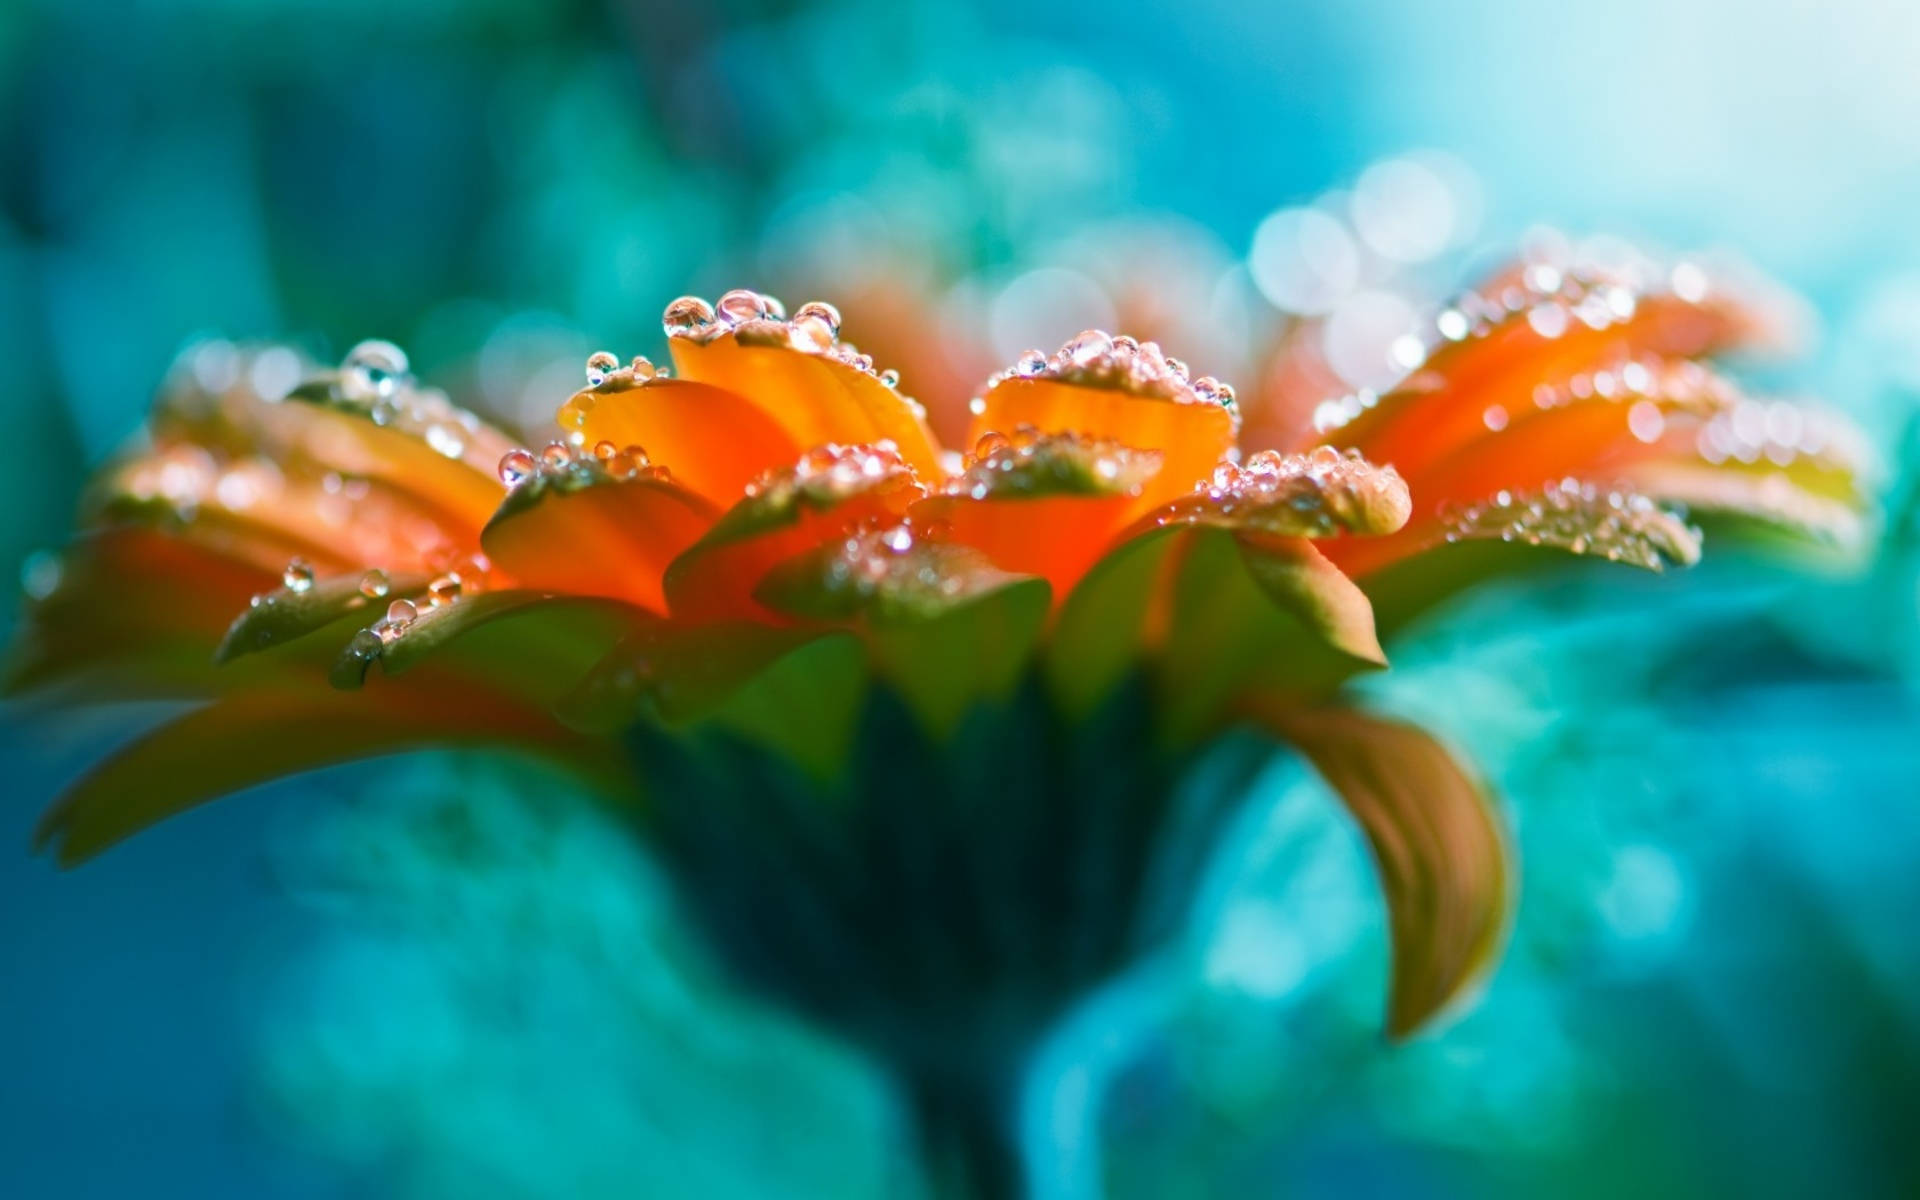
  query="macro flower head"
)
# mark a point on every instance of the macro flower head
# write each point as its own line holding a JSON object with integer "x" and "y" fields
{"x": 892, "y": 712}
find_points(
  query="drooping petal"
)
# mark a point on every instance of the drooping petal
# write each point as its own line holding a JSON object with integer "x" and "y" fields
{"x": 832, "y": 493}
{"x": 1046, "y": 505}
{"x": 1445, "y": 864}
{"x": 253, "y": 736}
{"x": 594, "y": 528}
{"x": 1117, "y": 390}
{"x": 714, "y": 441}
{"x": 819, "y": 390}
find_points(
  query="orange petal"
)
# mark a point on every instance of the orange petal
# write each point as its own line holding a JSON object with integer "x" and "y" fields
{"x": 1046, "y": 505}
{"x": 253, "y": 510}
{"x": 714, "y": 441}
{"x": 1408, "y": 573}
{"x": 1103, "y": 388}
{"x": 1444, "y": 861}
{"x": 255, "y": 736}
{"x": 1491, "y": 353}
{"x": 830, "y": 494}
{"x": 797, "y": 372}
{"x": 84, "y": 636}
{"x": 585, "y": 531}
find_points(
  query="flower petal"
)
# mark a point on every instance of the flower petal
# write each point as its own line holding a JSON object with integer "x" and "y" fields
{"x": 1408, "y": 574}
{"x": 1119, "y": 391}
{"x": 589, "y": 532}
{"x": 1444, "y": 862}
{"x": 797, "y": 691}
{"x": 84, "y": 640}
{"x": 289, "y": 613}
{"x": 530, "y": 645}
{"x": 829, "y": 495}
{"x": 254, "y": 736}
{"x": 714, "y": 441}
{"x": 807, "y": 382}
{"x": 1210, "y": 610}
{"x": 944, "y": 626}
{"x": 1547, "y": 327}
{"x": 1046, "y": 505}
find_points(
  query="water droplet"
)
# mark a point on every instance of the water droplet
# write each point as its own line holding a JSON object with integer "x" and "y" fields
{"x": 689, "y": 316}
{"x": 742, "y": 304}
{"x": 374, "y": 584}
{"x": 401, "y": 613}
{"x": 890, "y": 377}
{"x": 819, "y": 317}
{"x": 556, "y": 456}
{"x": 298, "y": 576}
{"x": 600, "y": 364}
{"x": 516, "y": 467}
{"x": 372, "y": 370}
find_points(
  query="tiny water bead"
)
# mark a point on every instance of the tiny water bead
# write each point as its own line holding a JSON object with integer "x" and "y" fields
{"x": 600, "y": 364}
{"x": 1318, "y": 494}
{"x": 298, "y": 576}
{"x": 401, "y": 613}
{"x": 1028, "y": 462}
{"x": 372, "y": 371}
{"x": 754, "y": 319}
{"x": 517, "y": 466}
{"x": 1550, "y": 297}
{"x": 375, "y": 584}
{"x": 687, "y": 317}
{"x": 1580, "y": 518}
{"x": 1095, "y": 358}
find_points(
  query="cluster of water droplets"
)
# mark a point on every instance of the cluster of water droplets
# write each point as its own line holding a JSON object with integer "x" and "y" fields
{"x": 1095, "y": 358}
{"x": 1580, "y": 518}
{"x": 458, "y": 577}
{"x": 1317, "y": 494}
{"x": 1028, "y": 462}
{"x": 755, "y": 319}
{"x": 831, "y": 473}
{"x": 561, "y": 465}
{"x": 898, "y": 567}
{"x": 375, "y": 379}
{"x": 1550, "y": 296}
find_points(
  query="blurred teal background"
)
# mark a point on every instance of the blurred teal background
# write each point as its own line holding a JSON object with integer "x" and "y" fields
{"x": 401, "y": 978}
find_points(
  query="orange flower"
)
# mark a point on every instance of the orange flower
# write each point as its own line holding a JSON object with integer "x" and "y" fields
{"x": 765, "y": 537}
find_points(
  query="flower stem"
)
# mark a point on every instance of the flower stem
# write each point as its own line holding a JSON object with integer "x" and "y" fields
{"x": 969, "y": 1143}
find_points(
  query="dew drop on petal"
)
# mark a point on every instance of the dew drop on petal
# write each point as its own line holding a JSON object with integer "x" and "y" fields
{"x": 742, "y": 304}
{"x": 298, "y": 576}
{"x": 374, "y": 584}
{"x": 372, "y": 371}
{"x": 516, "y": 467}
{"x": 401, "y": 613}
{"x": 600, "y": 364}
{"x": 689, "y": 316}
